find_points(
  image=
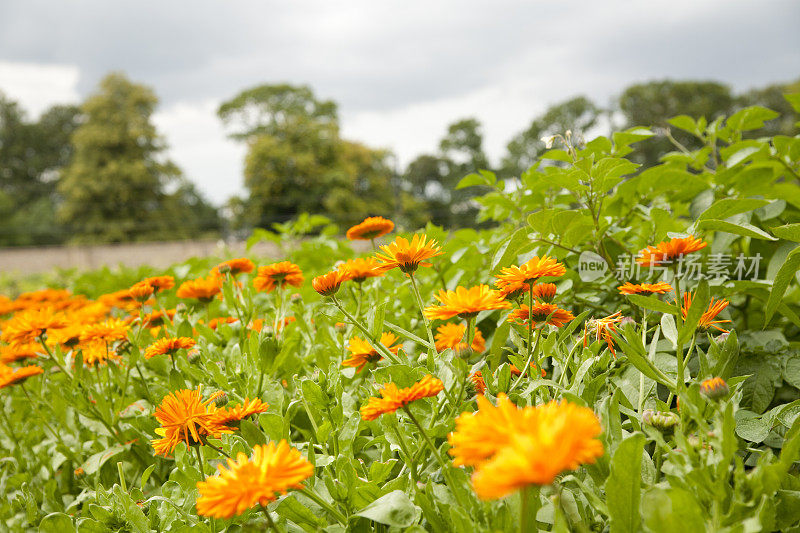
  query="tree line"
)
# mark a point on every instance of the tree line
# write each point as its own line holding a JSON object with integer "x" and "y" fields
{"x": 99, "y": 172}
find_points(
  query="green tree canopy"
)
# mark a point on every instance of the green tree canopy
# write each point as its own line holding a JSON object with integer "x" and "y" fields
{"x": 116, "y": 187}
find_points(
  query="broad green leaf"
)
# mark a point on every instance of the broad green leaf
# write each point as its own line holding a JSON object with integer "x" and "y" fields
{"x": 672, "y": 510}
{"x": 700, "y": 300}
{"x": 750, "y": 118}
{"x": 653, "y": 303}
{"x": 482, "y": 177}
{"x": 296, "y": 512}
{"x": 790, "y": 232}
{"x": 623, "y": 486}
{"x": 744, "y": 229}
{"x": 669, "y": 329}
{"x": 56, "y": 523}
{"x": 782, "y": 279}
{"x": 393, "y": 509}
{"x": 731, "y": 206}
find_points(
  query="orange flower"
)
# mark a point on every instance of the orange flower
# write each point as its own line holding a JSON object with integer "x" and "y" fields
{"x": 359, "y": 270}
{"x": 714, "y": 388}
{"x": 241, "y": 411}
{"x": 234, "y": 267}
{"x": 26, "y": 326}
{"x": 328, "y": 284}
{"x": 111, "y": 330}
{"x": 156, "y": 318}
{"x": 362, "y": 353}
{"x": 407, "y": 256}
{"x": 517, "y": 372}
{"x": 98, "y": 353}
{"x": 183, "y": 415}
{"x": 452, "y": 336}
{"x": 649, "y": 288}
{"x": 202, "y": 289}
{"x": 278, "y": 275}
{"x": 603, "y": 328}
{"x": 370, "y": 228}
{"x": 161, "y": 283}
{"x": 9, "y": 376}
{"x": 544, "y": 292}
{"x": 141, "y": 291}
{"x": 666, "y": 252}
{"x": 248, "y": 482}
{"x": 707, "y": 319}
{"x": 168, "y": 346}
{"x": 120, "y": 299}
{"x": 478, "y": 383}
{"x": 514, "y": 279}
{"x": 542, "y": 313}
{"x": 15, "y": 352}
{"x": 393, "y": 398}
{"x": 466, "y": 303}
{"x": 512, "y": 448}
{"x": 214, "y": 323}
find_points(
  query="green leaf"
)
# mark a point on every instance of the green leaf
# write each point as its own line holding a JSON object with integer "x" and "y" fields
{"x": 296, "y": 512}
{"x": 56, "y": 523}
{"x": 790, "y": 232}
{"x": 700, "y": 299}
{"x": 506, "y": 253}
{"x": 393, "y": 509}
{"x": 623, "y": 486}
{"x": 251, "y": 433}
{"x": 653, "y": 303}
{"x": 782, "y": 279}
{"x": 673, "y": 510}
{"x": 669, "y": 329}
{"x": 686, "y": 123}
{"x": 743, "y": 229}
{"x": 97, "y": 460}
{"x": 482, "y": 177}
{"x": 752, "y": 429}
{"x": 750, "y": 118}
{"x": 731, "y": 206}
{"x": 314, "y": 395}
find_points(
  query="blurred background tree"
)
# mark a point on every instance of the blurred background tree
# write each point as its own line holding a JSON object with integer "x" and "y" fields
{"x": 117, "y": 186}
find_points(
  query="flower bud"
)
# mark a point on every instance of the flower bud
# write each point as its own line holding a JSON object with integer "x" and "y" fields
{"x": 221, "y": 400}
{"x": 193, "y": 357}
{"x": 664, "y": 421}
{"x": 296, "y": 298}
{"x": 625, "y": 321}
{"x": 340, "y": 328}
{"x": 714, "y": 389}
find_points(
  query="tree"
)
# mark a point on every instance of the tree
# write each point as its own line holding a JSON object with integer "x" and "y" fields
{"x": 115, "y": 187}
{"x": 577, "y": 115}
{"x": 771, "y": 97}
{"x": 297, "y": 162}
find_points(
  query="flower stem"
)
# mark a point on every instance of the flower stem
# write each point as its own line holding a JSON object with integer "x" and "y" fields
{"x": 641, "y": 376}
{"x": 199, "y": 461}
{"x": 531, "y": 355}
{"x": 271, "y": 523}
{"x": 421, "y": 306}
{"x": 375, "y": 343}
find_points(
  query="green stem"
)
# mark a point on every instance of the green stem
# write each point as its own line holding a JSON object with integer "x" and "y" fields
{"x": 411, "y": 460}
{"x": 199, "y": 461}
{"x": 375, "y": 343}
{"x": 144, "y": 382}
{"x": 421, "y": 306}
{"x": 641, "y": 376}
{"x": 562, "y": 377}
{"x": 531, "y": 355}
{"x": 271, "y": 523}
{"x": 53, "y": 357}
{"x": 313, "y": 496}
{"x": 204, "y": 440}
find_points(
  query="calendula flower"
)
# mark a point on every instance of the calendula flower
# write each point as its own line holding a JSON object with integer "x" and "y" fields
{"x": 542, "y": 313}
{"x": 666, "y": 252}
{"x": 10, "y": 376}
{"x": 44, "y": 295}
{"x": 26, "y": 326}
{"x": 245, "y": 483}
{"x": 120, "y": 299}
{"x": 234, "y": 267}
{"x": 603, "y": 328}
{"x": 392, "y": 398}
{"x": 214, "y": 323}
{"x": 161, "y": 283}
{"x": 477, "y": 382}
{"x": 661, "y": 287}
{"x": 328, "y": 284}
{"x": 517, "y": 372}
{"x": 362, "y": 353}
{"x": 185, "y": 416}
{"x": 370, "y": 228}
{"x": 544, "y": 292}
{"x": 67, "y": 336}
{"x": 359, "y": 270}
{"x": 452, "y": 336}
{"x": 141, "y": 291}
{"x": 714, "y": 388}
{"x": 707, "y": 319}
{"x": 15, "y": 352}
{"x": 168, "y": 346}
{"x": 278, "y": 275}
{"x": 227, "y": 416}
{"x": 156, "y": 318}
{"x": 512, "y": 279}
{"x": 98, "y": 353}
{"x": 108, "y": 331}
{"x": 407, "y": 256}
{"x": 465, "y": 303}
{"x": 202, "y": 289}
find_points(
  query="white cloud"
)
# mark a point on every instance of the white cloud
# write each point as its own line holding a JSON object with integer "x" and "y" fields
{"x": 38, "y": 86}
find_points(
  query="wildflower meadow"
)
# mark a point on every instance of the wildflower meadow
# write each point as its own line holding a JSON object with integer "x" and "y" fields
{"x": 614, "y": 349}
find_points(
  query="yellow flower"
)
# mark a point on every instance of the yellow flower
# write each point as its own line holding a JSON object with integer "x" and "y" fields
{"x": 452, "y": 336}
{"x": 278, "y": 275}
{"x": 359, "y": 270}
{"x": 647, "y": 288}
{"x": 202, "y": 289}
{"x": 247, "y": 482}
{"x": 542, "y": 313}
{"x": 184, "y": 416}
{"x": 362, "y": 353}
{"x": 10, "y": 376}
{"x": 26, "y": 326}
{"x": 234, "y": 266}
{"x": 168, "y": 346}
{"x": 516, "y": 278}
{"x": 666, "y": 252}
{"x": 393, "y": 398}
{"x": 328, "y": 284}
{"x": 370, "y": 228}
{"x": 465, "y": 303}
{"x": 407, "y": 256}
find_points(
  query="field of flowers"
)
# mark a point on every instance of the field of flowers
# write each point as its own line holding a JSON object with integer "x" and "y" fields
{"x": 619, "y": 351}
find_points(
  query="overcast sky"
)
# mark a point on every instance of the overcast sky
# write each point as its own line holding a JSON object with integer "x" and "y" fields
{"x": 401, "y": 71}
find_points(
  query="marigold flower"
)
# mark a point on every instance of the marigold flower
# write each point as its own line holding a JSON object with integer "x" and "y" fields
{"x": 26, "y": 326}
{"x": 98, "y": 353}
{"x": 407, "y": 256}
{"x": 161, "y": 283}
{"x": 185, "y": 416}
{"x": 67, "y": 336}
{"x": 278, "y": 275}
{"x": 661, "y": 287}
{"x": 359, "y": 270}
{"x": 202, "y": 289}
{"x": 168, "y": 346}
{"x": 247, "y": 482}
{"x": 241, "y": 411}
{"x": 603, "y": 328}
{"x": 393, "y": 398}
{"x": 361, "y": 352}
{"x": 234, "y": 266}
{"x": 451, "y": 336}
{"x": 141, "y": 291}
{"x": 466, "y": 303}
{"x": 478, "y": 383}
{"x": 214, "y": 323}
{"x": 10, "y": 376}
{"x": 517, "y": 372}
{"x": 328, "y": 284}
{"x": 544, "y": 292}
{"x": 156, "y": 318}
{"x": 15, "y": 352}
{"x": 666, "y": 252}
{"x": 370, "y": 228}
{"x": 108, "y": 331}
{"x": 511, "y": 279}
{"x": 714, "y": 388}
{"x": 120, "y": 299}
{"x": 542, "y": 313}
{"x": 707, "y": 319}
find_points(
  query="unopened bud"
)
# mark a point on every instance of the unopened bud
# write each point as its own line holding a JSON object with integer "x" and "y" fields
{"x": 224, "y": 268}
{"x": 221, "y": 400}
{"x": 193, "y": 357}
{"x": 664, "y": 421}
{"x": 625, "y": 321}
{"x": 180, "y": 308}
{"x": 714, "y": 389}
{"x": 296, "y": 298}
{"x": 340, "y": 328}
{"x": 722, "y": 337}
